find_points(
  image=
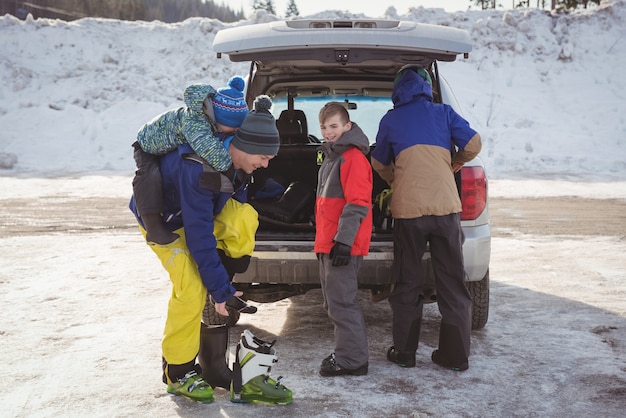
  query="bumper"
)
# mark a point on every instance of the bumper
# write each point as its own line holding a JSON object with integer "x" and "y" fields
{"x": 295, "y": 263}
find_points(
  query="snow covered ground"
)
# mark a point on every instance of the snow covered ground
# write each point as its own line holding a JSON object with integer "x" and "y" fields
{"x": 545, "y": 91}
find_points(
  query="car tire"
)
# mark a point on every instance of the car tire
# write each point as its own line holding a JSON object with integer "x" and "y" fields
{"x": 480, "y": 301}
{"x": 211, "y": 317}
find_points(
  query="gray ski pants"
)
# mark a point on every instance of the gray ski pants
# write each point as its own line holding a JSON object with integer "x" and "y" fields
{"x": 340, "y": 288}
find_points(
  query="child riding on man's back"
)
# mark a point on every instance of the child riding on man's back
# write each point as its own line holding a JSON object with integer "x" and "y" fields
{"x": 208, "y": 117}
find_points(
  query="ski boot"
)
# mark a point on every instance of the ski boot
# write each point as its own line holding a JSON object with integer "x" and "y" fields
{"x": 213, "y": 356}
{"x": 251, "y": 373}
{"x": 192, "y": 386}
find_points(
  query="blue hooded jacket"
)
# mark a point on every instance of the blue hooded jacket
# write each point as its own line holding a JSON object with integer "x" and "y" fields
{"x": 415, "y": 119}
{"x": 194, "y": 193}
{"x": 413, "y": 150}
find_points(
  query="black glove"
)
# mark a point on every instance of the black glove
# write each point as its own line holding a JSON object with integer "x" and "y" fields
{"x": 340, "y": 254}
{"x": 240, "y": 305}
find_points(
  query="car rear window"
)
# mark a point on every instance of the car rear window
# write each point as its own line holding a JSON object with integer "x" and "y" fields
{"x": 366, "y": 111}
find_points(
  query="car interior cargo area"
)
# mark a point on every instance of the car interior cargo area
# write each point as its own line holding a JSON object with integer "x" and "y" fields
{"x": 284, "y": 195}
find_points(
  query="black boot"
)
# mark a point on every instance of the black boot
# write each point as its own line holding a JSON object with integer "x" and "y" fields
{"x": 406, "y": 357}
{"x": 400, "y": 358}
{"x": 453, "y": 349}
{"x": 212, "y": 356}
{"x": 155, "y": 230}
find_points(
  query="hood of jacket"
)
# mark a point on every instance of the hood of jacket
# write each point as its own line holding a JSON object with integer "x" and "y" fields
{"x": 411, "y": 87}
{"x": 195, "y": 95}
{"x": 354, "y": 138}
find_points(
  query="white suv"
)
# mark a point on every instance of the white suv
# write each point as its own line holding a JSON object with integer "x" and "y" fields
{"x": 301, "y": 65}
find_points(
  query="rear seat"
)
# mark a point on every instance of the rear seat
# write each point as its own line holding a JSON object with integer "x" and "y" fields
{"x": 294, "y": 162}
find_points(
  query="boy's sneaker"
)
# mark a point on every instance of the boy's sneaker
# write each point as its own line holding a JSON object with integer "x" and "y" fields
{"x": 401, "y": 359}
{"x": 193, "y": 387}
{"x": 437, "y": 359}
{"x": 330, "y": 368}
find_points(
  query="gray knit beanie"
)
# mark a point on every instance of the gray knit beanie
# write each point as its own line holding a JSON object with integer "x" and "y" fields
{"x": 258, "y": 133}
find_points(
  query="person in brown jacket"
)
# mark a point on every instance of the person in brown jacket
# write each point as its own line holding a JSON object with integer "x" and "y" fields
{"x": 413, "y": 155}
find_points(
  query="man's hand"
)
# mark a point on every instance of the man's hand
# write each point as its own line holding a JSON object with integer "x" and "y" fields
{"x": 220, "y": 308}
{"x": 240, "y": 305}
{"x": 340, "y": 254}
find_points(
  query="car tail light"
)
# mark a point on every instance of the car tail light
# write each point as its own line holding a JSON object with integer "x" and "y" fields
{"x": 473, "y": 192}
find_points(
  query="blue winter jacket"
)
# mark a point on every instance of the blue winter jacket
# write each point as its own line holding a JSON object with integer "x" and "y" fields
{"x": 194, "y": 193}
{"x": 414, "y": 150}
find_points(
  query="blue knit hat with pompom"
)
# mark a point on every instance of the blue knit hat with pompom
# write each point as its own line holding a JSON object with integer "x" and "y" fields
{"x": 229, "y": 105}
{"x": 258, "y": 134}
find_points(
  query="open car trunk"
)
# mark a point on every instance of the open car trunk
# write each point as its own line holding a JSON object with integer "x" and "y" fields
{"x": 284, "y": 196}
{"x": 303, "y": 64}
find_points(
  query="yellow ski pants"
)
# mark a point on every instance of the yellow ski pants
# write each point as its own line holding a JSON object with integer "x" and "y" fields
{"x": 235, "y": 228}
{"x": 181, "y": 337}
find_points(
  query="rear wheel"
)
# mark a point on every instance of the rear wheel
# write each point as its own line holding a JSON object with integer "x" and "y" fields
{"x": 211, "y": 317}
{"x": 480, "y": 301}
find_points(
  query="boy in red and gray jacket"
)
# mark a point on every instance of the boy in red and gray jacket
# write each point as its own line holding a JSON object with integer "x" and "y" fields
{"x": 343, "y": 214}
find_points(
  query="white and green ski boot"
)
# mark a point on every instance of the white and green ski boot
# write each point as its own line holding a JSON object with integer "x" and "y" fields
{"x": 251, "y": 373}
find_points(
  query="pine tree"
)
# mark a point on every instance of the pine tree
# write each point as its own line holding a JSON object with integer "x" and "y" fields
{"x": 541, "y": 4}
{"x": 258, "y": 4}
{"x": 269, "y": 6}
{"x": 485, "y": 4}
{"x": 292, "y": 9}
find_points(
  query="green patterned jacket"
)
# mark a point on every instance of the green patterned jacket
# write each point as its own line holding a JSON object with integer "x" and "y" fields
{"x": 187, "y": 124}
